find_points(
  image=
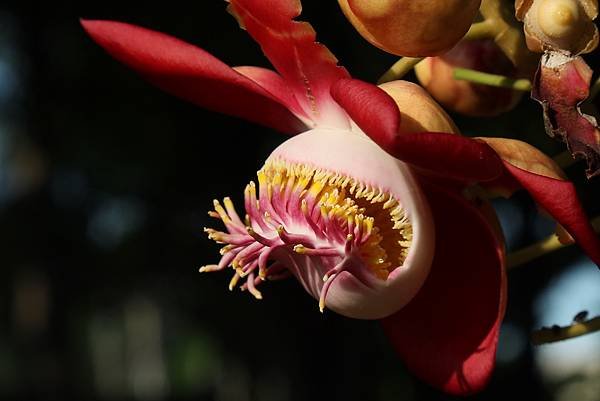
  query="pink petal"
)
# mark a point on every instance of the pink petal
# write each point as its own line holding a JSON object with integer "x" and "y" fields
{"x": 308, "y": 68}
{"x": 192, "y": 74}
{"x": 373, "y": 110}
{"x": 559, "y": 199}
{"x": 447, "y": 335}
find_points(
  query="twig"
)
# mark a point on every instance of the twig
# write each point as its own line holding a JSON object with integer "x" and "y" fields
{"x": 543, "y": 247}
{"x": 399, "y": 69}
{"x": 465, "y": 74}
{"x": 557, "y": 333}
{"x": 481, "y": 30}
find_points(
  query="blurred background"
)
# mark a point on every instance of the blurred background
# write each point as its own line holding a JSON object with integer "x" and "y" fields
{"x": 105, "y": 183}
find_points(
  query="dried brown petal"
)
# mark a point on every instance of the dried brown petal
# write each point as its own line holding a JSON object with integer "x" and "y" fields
{"x": 561, "y": 84}
{"x": 521, "y": 8}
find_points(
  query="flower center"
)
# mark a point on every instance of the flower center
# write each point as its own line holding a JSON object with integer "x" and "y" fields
{"x": 313, "y": 212}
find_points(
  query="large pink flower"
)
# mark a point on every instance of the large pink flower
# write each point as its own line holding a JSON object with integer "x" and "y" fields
{"x": 374, "y": 221}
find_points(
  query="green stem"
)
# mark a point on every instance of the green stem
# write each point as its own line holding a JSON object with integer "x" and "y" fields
{"x": 481, "y": 30}
{"x": 557, "y": 333}
{"x": 399, "y": 69}
{"x": 478, "y": 77}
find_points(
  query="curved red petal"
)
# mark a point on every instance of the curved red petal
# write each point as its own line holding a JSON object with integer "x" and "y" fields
{"x": 559, "y": 198}
{"x": 447, "y": 334}
{"x": 444, "y": 154}
{"x": 373, "y": 110}
{"x": 274, "y": 84}
{"x": 192, "y": 74}
{"x": 466, "y": 159}
{"x": 308, "y": 68}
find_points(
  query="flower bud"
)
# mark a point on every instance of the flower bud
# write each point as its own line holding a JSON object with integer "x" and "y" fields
{"x": 559, "y": 24}
{"x": 436, "y": 75}
{"x": 411, "y": 28}
{"x": 418, "y": 111}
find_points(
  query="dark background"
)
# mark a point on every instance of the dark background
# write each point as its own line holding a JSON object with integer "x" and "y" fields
{"x": 104, "y": 186}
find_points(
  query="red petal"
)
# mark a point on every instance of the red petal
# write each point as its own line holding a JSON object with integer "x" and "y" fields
{"x": 447, "y": 334}
{"x": 373, "y": 110}
{"x": 274, "y": 84}
{"x": 443, "y": 154}
{"x": 466, "y": 159}
{"x": 308, "y": 68}
{"x": 192, "y": 74}
{"x": 559, "y": 198}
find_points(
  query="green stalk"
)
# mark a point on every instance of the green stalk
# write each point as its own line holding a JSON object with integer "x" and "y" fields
{"x": 399, "y": 69}
{"x": 481, "y": 30}
{"x": 478, "y": 77}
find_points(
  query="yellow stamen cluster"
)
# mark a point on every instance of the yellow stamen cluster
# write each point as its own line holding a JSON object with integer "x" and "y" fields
{"x": 350, "y": 204}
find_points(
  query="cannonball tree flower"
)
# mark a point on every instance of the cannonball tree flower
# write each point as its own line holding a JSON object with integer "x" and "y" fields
{"x": 371, "y": 211}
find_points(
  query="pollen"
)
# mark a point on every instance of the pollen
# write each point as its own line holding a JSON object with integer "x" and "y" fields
{"x": 304, "y": 211}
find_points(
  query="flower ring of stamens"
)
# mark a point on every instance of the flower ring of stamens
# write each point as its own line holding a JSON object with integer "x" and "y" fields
{"x": 304, "y": 210}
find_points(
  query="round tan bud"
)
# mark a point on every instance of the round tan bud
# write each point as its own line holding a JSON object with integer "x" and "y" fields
{"x": 436, "y": 75}
{"x": 418, "y": 111}
{"x": 565, "y": 25}
{"x": 558, "y": 18}
{"x": 411, "y": 28}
